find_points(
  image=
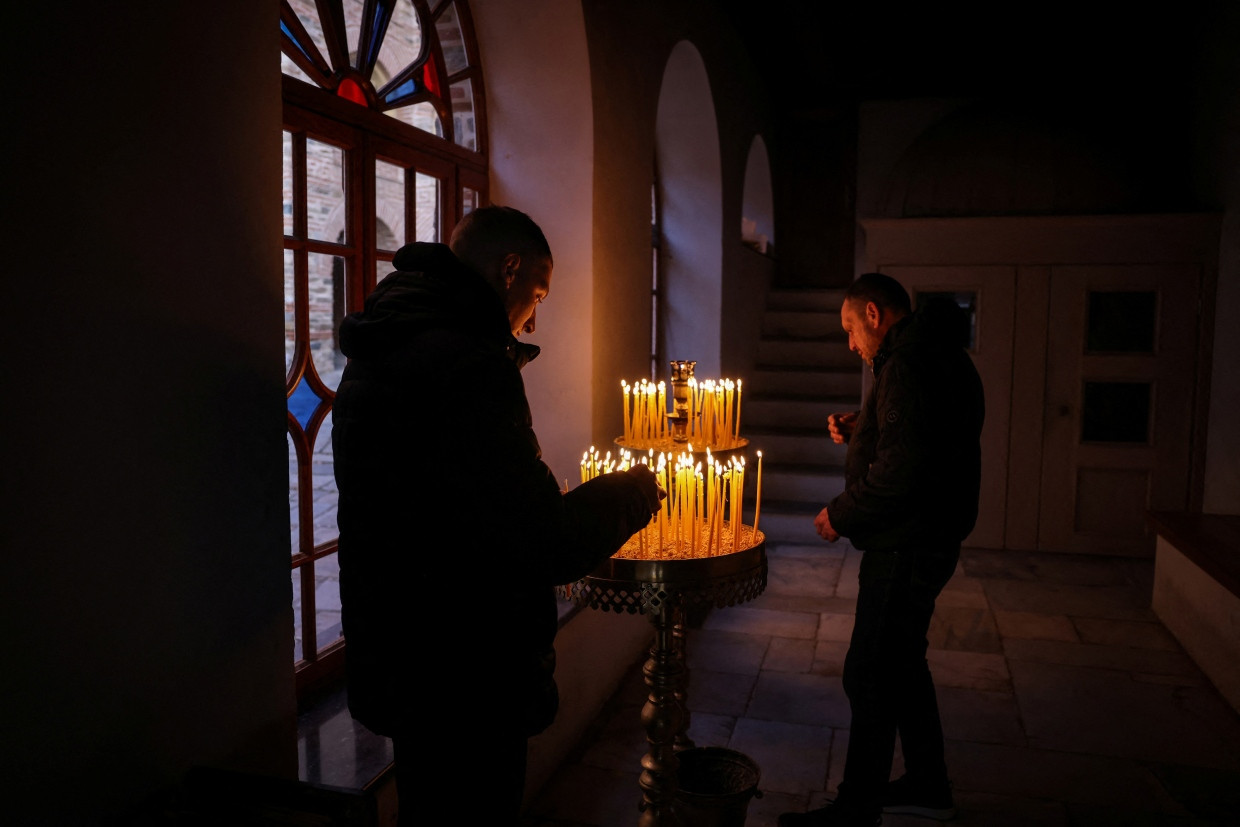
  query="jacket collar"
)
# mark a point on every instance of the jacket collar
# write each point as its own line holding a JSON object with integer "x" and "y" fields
{"x": 891, "y": 341}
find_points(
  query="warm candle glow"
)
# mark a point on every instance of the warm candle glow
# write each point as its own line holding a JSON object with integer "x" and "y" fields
{"x": 757, "y": 500}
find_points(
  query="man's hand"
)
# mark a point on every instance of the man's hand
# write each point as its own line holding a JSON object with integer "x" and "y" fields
{"x": 822, "y": 524}
{"x": 841, "y": 425}
{"x": 650, "y": 486}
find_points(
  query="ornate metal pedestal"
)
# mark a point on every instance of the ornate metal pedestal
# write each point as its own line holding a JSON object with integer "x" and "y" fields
{"x": 664, "y": 590}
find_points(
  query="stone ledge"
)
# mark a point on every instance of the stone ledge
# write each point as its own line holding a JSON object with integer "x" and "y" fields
{"x": 1212, "y": 541}
{"x": 1197, "y": 592}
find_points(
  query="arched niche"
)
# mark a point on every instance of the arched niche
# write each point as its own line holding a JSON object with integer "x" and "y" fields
{"x": 757, "y": 213}
{"x": 690, "y": 205}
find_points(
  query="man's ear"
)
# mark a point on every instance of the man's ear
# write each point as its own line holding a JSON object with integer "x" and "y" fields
{"x": 873, "y": 315}
{"x": 512, "y": 263}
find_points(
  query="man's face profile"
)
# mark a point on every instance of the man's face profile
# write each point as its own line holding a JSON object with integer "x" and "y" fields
{"x": 862, "y": 322}
{"x": 529, "y": 285}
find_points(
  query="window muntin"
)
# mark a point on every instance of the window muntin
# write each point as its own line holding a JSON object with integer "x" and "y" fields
{"x": 966, "y": 300}
{"x": 412, "y": 60}
{"x": 1121, "y": 321}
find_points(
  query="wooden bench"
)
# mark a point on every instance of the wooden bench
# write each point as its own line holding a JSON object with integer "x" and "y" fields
{"x": 1197, "y": 591}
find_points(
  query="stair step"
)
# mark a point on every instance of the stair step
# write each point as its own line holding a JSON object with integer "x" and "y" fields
{"x": 792, "y": 411}
{"x": 820, "y": 352}
{"x": 796, "y": 445}
{"x": 822, "y": 299}
{"x": 800, "y": 483}
{"x": 801, "y": 323}
{"x": 804, "y": 372}
{"x": 803, "y": 380}
{"x": 786, "y": 522}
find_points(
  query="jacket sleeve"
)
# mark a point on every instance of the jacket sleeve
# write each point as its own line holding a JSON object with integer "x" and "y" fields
{"x": 559, "y": 536}
{"x": 886, "y": 493}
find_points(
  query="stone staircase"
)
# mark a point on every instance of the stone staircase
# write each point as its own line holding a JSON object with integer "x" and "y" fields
{"x": 804, "y": 372}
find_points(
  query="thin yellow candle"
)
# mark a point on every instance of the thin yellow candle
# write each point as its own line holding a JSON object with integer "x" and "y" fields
{"x": 740, "y": 503}
{"x": 697, "y": 514}
{"x": 708, "y": 413}
{"x": 689, "y": 498}
{"x": 737, "y": 435}
{"x": 694, "y": 403}
{"x": 639, "y": 415}
{"x": 667, "y": 502}
{"x": 709, "y": 510}
{"x": 757, "y": 503}
{"x": 627, "y": 432}
{"x": 709, "y": 485}
{"x": 652, "y": 418}
{"x": 727, "y": 408}
{"x": 662, "y": 429}
{"x": 734, "y": 502}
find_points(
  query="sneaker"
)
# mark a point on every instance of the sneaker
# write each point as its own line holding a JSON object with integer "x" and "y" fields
{"x": 903, "y": 797}
{"x": 829, "y": 816}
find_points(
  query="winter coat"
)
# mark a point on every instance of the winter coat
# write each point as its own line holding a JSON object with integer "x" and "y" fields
{"x": 912, "y": 471}
{"x": 453, "y": 532}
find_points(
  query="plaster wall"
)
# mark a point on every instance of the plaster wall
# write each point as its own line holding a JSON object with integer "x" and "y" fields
{"x": 146, "y": 596}
{"x": 542, "y": 159}
{"x": 1217, "y": 172}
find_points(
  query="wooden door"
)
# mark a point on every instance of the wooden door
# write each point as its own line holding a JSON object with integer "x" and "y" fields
{"x": 988, "y": 293}
{"x": 1118, "y": 406}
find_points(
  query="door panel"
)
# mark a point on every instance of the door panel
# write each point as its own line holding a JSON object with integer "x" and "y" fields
{"x": 1118, "y": 404}
{"x": 993, "y": 292}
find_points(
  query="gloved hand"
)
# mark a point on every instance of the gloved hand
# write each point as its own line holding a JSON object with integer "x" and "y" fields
{"x": 649, "y": 484}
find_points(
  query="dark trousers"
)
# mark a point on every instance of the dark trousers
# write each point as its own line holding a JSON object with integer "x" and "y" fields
{"x": 460, "y": 781}
{"x": 886, "y": 676}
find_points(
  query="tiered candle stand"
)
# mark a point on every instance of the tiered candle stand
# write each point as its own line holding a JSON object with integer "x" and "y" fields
{"x": 674, "y": 449}
{"x": 663, "y": 590}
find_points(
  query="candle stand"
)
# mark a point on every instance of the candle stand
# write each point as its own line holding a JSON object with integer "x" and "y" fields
{"x": 663, "y": 589}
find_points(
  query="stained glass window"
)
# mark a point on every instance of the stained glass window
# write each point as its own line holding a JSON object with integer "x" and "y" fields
{"x": 412, "y": 60}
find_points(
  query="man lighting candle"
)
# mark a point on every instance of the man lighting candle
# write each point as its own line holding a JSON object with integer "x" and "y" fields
{"x": 912, "y": 475}
{"x": 443, "y": 493}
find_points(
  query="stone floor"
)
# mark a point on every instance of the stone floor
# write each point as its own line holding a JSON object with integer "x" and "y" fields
{"x": 1064, "y": 699}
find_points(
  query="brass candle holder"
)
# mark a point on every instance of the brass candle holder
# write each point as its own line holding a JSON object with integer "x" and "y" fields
{"x": 664, "y": 590}
{"x": 682, "y": 372}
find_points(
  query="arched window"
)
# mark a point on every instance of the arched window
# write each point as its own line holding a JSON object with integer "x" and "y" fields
{"x": 384, "y": 144}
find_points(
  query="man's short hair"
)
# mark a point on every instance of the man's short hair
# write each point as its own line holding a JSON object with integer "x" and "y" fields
{"x": 487, "y": 234}
{"x": 881, "y": 289}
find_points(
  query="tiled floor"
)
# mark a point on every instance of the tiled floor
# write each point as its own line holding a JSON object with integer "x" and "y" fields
{"x": 1064, "y": 700}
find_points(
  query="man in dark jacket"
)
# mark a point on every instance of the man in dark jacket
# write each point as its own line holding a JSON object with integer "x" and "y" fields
{"x": 453, "y": 532}
{"x": 912, "y": 477}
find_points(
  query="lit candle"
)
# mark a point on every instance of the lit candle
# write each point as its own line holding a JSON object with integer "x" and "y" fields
{"x": 697, "y": 514}
{"x": 627, "y": 433}
{"x": 737, "y": 436}
{"x": 757, "y": 504}
{"x": 662, "y": 423}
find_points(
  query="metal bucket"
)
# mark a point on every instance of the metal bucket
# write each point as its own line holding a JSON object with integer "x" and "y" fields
{"x": 714, "y": 786}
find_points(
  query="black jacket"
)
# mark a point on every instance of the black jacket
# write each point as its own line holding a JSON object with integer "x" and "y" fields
{"x": 453, "y": 532}
{"x": 913, "y": 468}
